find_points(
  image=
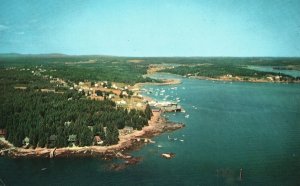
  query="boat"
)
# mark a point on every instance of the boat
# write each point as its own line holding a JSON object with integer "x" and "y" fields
{"x": 168, "y": 155}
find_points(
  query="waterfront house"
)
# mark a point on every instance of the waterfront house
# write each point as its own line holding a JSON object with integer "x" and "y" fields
{"x": 26, "y": 141}
{"x": 127, "y": 130}
{"x": 72, "y": 139}
{"x": 98, "y": 140}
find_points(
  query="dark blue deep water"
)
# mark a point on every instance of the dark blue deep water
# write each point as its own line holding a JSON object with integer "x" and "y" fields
{"x": 253, "y": 126}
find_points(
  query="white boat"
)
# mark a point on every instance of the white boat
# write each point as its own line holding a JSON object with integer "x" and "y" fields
{"x": 187, "y": 116}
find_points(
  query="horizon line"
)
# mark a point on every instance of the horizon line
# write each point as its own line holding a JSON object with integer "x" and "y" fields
{"x": 112, "y": 55}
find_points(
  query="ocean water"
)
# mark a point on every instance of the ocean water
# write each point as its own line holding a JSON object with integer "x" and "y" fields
{"x": 229, "y": 126}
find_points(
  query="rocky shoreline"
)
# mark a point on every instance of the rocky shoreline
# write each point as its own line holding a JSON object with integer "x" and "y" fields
{"x": 119, "y": 150}
{"x": 157, "y": 125}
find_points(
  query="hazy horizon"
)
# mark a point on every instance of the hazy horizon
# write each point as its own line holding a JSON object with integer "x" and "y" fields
{"x": 64, "y": 54}
{"x": 152, "y": 28}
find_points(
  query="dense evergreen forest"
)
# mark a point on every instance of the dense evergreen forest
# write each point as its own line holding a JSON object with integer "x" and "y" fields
{"x": 40, "y": 115}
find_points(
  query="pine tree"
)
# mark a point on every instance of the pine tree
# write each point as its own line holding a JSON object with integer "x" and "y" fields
{"x": 148, "y": 112}
{"x": 112, "y": 134}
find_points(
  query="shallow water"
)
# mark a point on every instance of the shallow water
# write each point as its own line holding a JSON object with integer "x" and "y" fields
{"x": 253, "y": 126}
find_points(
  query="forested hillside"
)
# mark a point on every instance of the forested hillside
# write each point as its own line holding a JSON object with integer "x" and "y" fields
{"x": 26, "y": 111}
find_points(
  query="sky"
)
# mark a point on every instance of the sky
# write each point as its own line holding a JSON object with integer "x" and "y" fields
{"x": 151, "y": 27}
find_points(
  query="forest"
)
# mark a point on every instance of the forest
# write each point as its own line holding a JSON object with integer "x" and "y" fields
{"x": 82, "y": 68}
{"x": 40, "y": 115}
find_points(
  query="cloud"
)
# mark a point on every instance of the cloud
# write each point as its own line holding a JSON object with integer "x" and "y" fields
{"x": 3, "y": 27}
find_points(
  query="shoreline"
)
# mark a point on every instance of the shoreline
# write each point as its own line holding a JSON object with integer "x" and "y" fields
{"x": 135, "y": 140}
{"x": 156, "y": 126}
{"x": 239, "y": 80}
{"x": 156, "y": 69}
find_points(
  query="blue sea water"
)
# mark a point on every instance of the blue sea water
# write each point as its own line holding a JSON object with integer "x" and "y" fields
{"x": 253, "y": 126}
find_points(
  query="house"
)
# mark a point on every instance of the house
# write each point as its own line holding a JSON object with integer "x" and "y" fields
{"x": 72, "y": 139}
{"x": 277, "y": 78}
{"x": 3, "y": 133}
{"x": 67, "y": 123}
{"x": 229, "y": 75}
{"x": 98, "y": 140}
{"x": 127, "y": 130}
{"x": 270, "y": 78}
{"x": 52, "y": 140}
{"x": 124, "y": 93}
{"x": 114, "y": 86}
{"x": 26, "y": 141}
{"x": 110, "y": 96}
{"x": 121, "y": 103}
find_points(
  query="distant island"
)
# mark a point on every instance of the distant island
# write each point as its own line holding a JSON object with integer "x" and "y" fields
{"x": 61, "y": 105}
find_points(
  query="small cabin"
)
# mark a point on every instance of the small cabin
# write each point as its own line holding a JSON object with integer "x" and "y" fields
{"x": 72, "y": 139}
{"x": 127, "y": 130}
{"x": 98, "y": 140}
{"x": 26, "y": 141}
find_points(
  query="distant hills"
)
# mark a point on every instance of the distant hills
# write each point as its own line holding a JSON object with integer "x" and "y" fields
{"x": 55, "y": 55}
{"x": 32, "y": 55}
